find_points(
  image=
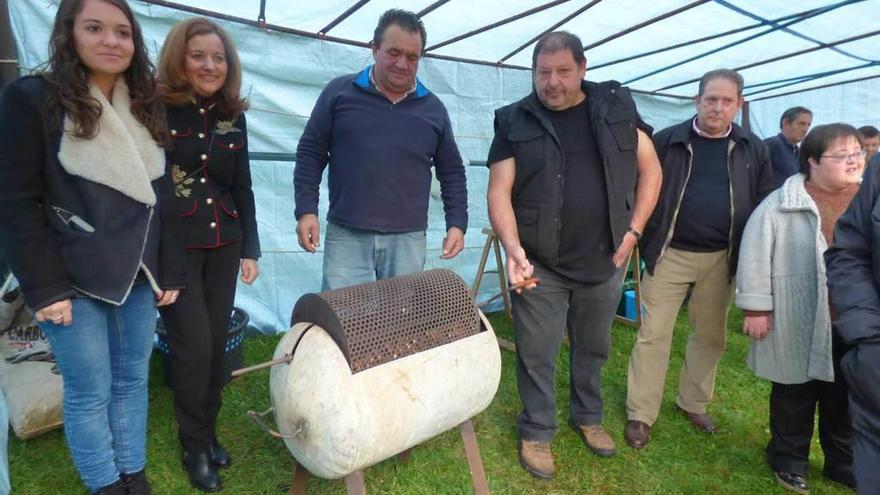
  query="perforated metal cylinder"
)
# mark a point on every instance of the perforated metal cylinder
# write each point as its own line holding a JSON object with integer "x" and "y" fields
{"x": 396, "y": 317}
{"x": 425, "y": 361}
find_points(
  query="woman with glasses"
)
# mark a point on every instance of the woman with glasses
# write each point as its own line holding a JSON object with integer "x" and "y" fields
{"x": 781, "y": 288}
{"x": 82, "y": 179}
{"x": 200, "y": 82}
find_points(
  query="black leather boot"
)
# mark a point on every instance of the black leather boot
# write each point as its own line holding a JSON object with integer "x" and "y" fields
{"x": 219, "y": 456}
{"x": 202, "y": 473}
{"x": 136, "y": 483}
{"x": 115, "y": 488}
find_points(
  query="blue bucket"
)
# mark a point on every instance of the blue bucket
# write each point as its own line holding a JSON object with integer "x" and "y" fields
{"x": 232, "y": 357}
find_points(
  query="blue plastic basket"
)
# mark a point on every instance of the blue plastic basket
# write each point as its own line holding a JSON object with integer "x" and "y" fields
{"x": 238, "y": 321}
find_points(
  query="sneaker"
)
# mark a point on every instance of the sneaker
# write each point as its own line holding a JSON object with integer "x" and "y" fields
{"x": 536, "y": 458}
{"x": 793, "y": 482}
{"x": 597, "y": 440}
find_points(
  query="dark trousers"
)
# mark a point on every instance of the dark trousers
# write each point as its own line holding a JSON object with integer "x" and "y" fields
{"x": 197, "y": 328}
{"x": 540, "y": 316}
{"x": 792, "y": 415}
{"x": 861, "y": 367}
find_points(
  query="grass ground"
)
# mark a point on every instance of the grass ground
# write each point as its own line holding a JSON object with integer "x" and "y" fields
{"x": 678, "y": 460}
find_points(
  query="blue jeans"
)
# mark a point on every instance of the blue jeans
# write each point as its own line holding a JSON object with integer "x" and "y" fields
{"x": 104, "y": 358}
{"x": 353, "y": 256}
{"x": 4, "y": 438}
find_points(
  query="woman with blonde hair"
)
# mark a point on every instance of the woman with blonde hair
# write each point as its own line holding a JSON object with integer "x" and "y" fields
{"x": 82, "y": 179}
{"x": 200, "y": 83}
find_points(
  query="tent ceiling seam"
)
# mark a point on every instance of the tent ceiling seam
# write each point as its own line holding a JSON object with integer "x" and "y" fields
{"x": 792, "y": 32}
{"x": 734, "y": 43}
{"x": 632, "y": 29}
{"x": 576, "y": 13}
{"x": 839, "y": 83}
{"x": 496, "y": 24}
{"x": 787, "y": 55}
{"x": 811, "y": 77}
{"x": 701, "y": 40}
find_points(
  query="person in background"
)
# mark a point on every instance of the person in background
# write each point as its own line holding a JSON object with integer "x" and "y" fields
{"x": 84, "y": 228}
{"x": 380, "y": 132}
{"x": 200, "y": 83}
{"x": 781, "y": 287}
{"x": 783, "y": 147}
{"x": 872, "y": 140}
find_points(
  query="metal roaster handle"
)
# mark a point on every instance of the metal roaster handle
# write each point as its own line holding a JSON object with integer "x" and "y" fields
{"x": 510, "y": 288}
{"x": 257, "y": 417}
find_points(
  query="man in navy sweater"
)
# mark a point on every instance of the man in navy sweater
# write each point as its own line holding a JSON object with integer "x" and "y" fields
{"x": 783, "y": 147}
{"x": 380, "y": 131}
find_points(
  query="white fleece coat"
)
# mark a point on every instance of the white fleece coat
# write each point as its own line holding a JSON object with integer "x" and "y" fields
{"x": 782, "y": 269}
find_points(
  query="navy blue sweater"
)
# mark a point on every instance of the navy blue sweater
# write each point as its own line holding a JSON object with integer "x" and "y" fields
{"x": 783, "y": 157}
{"x": 380, "y": 156}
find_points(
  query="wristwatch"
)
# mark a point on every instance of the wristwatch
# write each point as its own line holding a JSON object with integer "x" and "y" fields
{"x": 635, "y": 233}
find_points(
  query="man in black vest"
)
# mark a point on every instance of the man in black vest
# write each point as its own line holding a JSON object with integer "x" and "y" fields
{"x": 573, "y": 179}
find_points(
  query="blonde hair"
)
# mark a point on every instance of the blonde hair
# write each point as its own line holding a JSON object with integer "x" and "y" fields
{"x": 175, "y": 87}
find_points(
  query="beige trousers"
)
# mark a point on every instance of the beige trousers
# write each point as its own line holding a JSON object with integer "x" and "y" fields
{"x": 662, "y": 295}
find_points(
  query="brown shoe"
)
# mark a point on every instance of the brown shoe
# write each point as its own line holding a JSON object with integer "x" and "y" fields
{"x": 597, "y": 439}
{"x": 637, "y": 434}
{"x": 701, "y": 421}
{"x": 536, "y": 458}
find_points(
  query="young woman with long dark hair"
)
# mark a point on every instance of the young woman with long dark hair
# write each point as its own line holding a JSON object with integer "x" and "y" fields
{"x": 82, "y": 175}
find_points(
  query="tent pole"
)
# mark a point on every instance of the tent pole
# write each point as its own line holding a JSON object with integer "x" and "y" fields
{"x": 351, "y": 10}
{"x": 494, "y": 25}
{"x": 8, "y": 58}
{"x": 551, "y": 28}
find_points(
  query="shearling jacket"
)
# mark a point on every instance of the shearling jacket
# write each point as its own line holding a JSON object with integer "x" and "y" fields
{"x": 751, "y": 179}
{"x": 63, "y": 234}
{"x": 210, "y": 168}
{"x": 782, "y": 269}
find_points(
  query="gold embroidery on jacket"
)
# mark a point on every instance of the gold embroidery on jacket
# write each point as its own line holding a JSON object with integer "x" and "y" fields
{"x": 225, "y": 127}
{"x": 180, "y": 182}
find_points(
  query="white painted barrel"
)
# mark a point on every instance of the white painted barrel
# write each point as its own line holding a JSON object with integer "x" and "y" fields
{"x": 336, "y": 422}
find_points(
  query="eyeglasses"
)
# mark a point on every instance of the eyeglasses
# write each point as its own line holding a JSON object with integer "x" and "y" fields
{"x": 858, "y": 155}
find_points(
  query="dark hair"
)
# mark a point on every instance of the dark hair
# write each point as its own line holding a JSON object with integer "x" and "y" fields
{"x": 176, "y": 88}
{"x": 559, "y": 40}
{"x": 406, "y": 20}
{"x": 791, "y": 114}
{"x": 731, "y": 75}
{"x": 869, "y": 131}
{"x": 820, "y": 138}
{"x": 69, "y": 79}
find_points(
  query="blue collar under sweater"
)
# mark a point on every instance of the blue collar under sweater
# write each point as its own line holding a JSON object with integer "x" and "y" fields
{"x": 363, "y": 81}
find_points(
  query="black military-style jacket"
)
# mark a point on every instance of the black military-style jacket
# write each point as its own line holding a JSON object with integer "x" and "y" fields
{"x": 210, "y": 168}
